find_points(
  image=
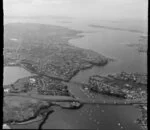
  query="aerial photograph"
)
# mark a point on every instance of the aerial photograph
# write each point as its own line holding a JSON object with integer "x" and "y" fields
{"x": 75, "y": 64}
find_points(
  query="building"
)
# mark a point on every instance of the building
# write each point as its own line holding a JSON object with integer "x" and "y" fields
{"x": 125, "y": 90}
{"x": 11, "y": 63}
{"x": 6, "y": 90}
{"x": 145, "y": 108}
{"x": 32, "y": 80}
{"x": 5, "y": 126}
{"x": 128, "y": 85}
{"x": 86, "y": 88}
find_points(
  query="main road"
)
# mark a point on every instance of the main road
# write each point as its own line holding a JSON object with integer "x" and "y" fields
{"x": 68, "y": 99}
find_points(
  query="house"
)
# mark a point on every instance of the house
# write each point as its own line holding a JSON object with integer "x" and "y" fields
{"x": 145, "y": 108}
{"x": 86, "y": 88}
{"x": 125, "y": 90}
{"x": 128, "y": 85}
{"x": 6, "y": 90}
{"x": 129, "y": 96}
{"x": 11, "y": 63}
{"x": 143, "y": 92}
{"x": 134, "y": 78}
{"x": 32, "y": 80}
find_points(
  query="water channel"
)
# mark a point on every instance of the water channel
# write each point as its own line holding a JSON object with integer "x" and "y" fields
{"x": 12, "y": 74}
{"x": 110, "y": 43}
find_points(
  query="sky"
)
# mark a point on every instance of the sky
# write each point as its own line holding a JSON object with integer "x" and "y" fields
{"x": 100, "y": 9}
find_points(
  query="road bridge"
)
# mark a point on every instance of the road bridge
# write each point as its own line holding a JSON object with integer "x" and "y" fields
{"x": 70, "y": 99}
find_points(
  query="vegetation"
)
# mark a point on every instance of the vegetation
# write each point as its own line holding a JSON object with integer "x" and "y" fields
{"x": 18, "y": 109}
{"x": 39, "y": 85}
{"x": 44, "y": 49}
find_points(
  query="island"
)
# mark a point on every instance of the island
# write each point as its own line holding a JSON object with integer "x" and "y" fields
{"x": 141, "y": 46}
{"x": 115, "y": 28}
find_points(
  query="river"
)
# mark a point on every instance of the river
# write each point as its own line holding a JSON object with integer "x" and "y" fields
{"x": 110, "y": 43}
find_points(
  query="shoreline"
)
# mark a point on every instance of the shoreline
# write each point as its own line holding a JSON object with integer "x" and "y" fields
{"x": 27, "y": 65}
{"x": 38, "y": 118}
{"x": 57, "y": 78}
{"x": 117, "y": 29}
{"x": 48, "y": 114}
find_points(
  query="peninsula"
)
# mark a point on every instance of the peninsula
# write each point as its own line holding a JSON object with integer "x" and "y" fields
{"x": 43, "y": 50}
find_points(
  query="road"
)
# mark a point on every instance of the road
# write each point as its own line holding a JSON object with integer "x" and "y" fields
{"x": 44, "y": 97}
{"x": 67, "y": 99}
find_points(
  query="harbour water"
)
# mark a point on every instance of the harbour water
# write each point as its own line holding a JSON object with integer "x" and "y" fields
{"x": 110, "y": 43}
{"x": 12, "y": 74}
{"x": 94, "y": 117}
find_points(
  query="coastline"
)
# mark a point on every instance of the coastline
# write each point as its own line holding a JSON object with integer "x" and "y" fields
{"x": 39, "y": 118}
{"x": 67, "y": 80}
{"x": 57, "y": 78}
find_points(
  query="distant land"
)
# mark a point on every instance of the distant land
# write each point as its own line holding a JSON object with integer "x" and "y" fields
{"x": 142, "y": 45}
{"x": 39, "y": 16}
{"x": 64, "y": 21}
{"x": 114, "y": 28}
{"x": 44, "y": 49}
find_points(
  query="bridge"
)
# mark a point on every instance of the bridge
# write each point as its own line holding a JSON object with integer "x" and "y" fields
{"x": 77, "y": 83}
{"x": 112, "y": 103}
{"x": 70, "y": 99}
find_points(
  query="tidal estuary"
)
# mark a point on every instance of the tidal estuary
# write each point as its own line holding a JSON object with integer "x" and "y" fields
{"x": 104, "y": 117}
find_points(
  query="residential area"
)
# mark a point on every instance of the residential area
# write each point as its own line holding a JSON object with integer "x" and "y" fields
{"x": 38, "y": 85}
{"x": 132, "y": 87}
